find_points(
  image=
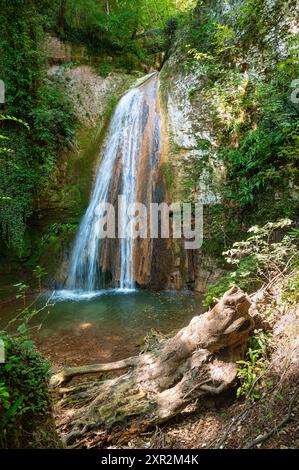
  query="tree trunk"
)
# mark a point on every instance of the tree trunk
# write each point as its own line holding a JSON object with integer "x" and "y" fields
{"x": 61, "y": 15}
{"x": 199, "y": 360}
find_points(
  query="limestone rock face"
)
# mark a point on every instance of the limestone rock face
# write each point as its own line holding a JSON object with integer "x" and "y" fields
{"x": 89, "y": 91}
{"x": 188, "y": 120}
{"x": 56, "y": 51}
{"x": 189, "y": 140}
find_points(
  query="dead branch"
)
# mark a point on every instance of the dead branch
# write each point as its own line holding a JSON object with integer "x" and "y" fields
{"x": 260, "y": 439}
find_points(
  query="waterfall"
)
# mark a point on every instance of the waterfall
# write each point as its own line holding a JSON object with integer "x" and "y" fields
{"x": 117, "y": 174}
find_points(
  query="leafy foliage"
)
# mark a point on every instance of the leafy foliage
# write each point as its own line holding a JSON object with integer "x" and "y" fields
{"x": 259, "y": 139}
{"x": 265, "y": 254}
{"x": 251, "y": 369}
{"x": 24, "y": 394}
{"x": 41, "y": 102}
{"x": 39, "y": 273}
{"x": 113, "y": 24}
{"x": 252, "y": 117}
{"x": 290, "y": 293}
{"x": 4, "y": 150}
{"x": 23, "y": 388}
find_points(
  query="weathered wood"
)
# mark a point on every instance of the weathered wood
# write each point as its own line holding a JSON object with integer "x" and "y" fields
{"x": 68, "y": 374}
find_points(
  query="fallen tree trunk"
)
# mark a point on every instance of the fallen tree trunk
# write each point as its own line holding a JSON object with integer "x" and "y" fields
{"x": 199, "y": 360}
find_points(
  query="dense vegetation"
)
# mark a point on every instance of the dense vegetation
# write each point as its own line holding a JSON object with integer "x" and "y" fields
{"x": 254, "y": 120}
{"x": 41, "y": 103}
{"x": 256, "y": 261}
{"x": 112, "y": 24}
{"x": 24, "y": 397}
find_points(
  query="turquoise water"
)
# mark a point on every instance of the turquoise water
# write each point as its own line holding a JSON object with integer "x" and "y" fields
{"x": 108, "y": 325}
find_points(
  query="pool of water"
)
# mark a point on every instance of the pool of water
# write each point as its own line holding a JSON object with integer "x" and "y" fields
{"x": 108, "y": 325}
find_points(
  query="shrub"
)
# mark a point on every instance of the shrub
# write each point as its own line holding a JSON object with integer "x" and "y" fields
{"x": 23, "y": 389}
{"x": 264, "y": 255}
{"x": 251, "y": 369}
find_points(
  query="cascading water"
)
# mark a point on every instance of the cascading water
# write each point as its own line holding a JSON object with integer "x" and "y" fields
{"x": 130, "y": 132}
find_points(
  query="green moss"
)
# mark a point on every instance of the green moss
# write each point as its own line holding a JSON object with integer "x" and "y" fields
{"x": 168, "y": 175}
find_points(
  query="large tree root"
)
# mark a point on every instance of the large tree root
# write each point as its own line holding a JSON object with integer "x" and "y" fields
{"x": 199, "y": 361}
{"x": 68, "y": 374}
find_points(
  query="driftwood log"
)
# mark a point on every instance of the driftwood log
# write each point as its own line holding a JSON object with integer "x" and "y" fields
{"x": 200, "y": 360}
